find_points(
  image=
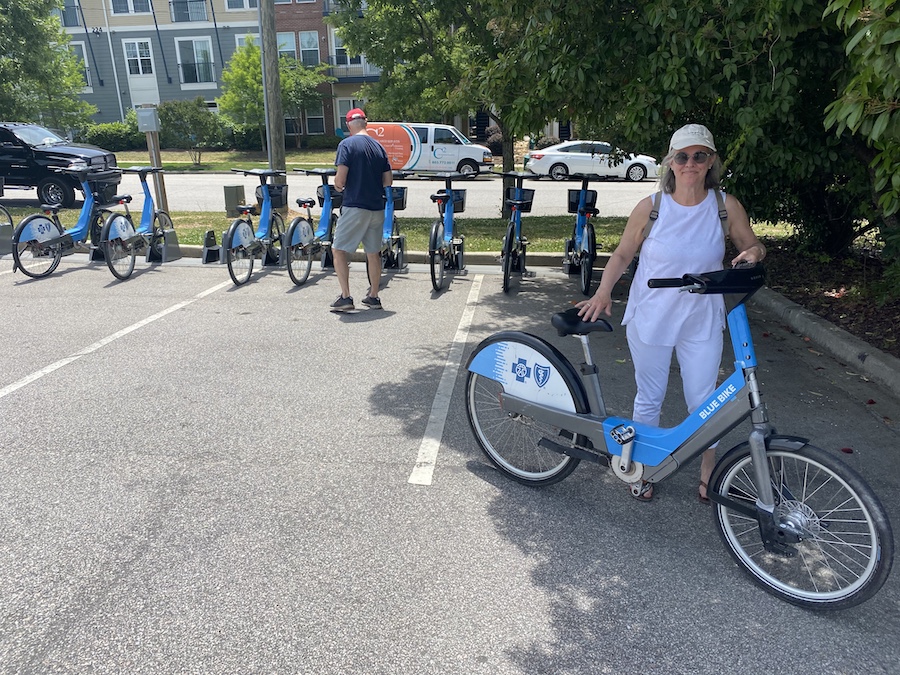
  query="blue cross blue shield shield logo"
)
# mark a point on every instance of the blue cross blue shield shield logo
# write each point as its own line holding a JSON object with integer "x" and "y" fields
{"x": 541, "y": 375}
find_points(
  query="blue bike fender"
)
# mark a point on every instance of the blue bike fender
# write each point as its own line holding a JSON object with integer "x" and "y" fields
{"x": 302, "y": 233}
{"x": 40, "y": 229}
{"x": 242, "y": 236}
{"x": 528, "y": 371}
{"x": 120, "y": 228}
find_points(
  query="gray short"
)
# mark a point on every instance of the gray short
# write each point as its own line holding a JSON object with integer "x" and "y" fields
{"x": 357, "y": 225}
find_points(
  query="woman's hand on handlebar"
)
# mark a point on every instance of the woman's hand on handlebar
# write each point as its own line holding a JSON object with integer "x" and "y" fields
{"x": 593, "y": 307}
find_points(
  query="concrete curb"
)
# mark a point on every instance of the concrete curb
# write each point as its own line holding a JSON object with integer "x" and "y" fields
{"x": 862, "y": 357}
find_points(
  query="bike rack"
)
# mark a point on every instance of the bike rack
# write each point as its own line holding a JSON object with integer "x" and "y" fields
{"x": 212, "y": 252}
{"x": 171, "y": 249}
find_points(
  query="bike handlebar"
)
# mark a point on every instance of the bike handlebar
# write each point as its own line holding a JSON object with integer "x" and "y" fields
{"x": 743, "y": 278}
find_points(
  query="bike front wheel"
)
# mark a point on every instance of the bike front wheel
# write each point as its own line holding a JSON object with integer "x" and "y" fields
{"x": 510, "y": 440}
{"x": 507, "y": 255}
{"x": 239, "y": 240}
{"x": 161, "y": 223}
{"x": 299, "y": 253}
{"x": 31, "y": 251}
{"x": 117, "y": 240}
{"x": 276, "y": 239}
{"x": 844, "y": 548}
{"x": 436, "y": 254}
{"x": 588, "y": 255}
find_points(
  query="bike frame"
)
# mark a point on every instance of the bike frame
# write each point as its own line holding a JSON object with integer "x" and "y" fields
{"x": 660, "y": 452}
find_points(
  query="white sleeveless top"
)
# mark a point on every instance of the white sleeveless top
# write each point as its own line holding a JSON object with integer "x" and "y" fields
{"x": 684, "y": 239}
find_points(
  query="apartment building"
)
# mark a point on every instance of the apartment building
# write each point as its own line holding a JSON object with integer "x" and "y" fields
{"x": 136, "y": 52}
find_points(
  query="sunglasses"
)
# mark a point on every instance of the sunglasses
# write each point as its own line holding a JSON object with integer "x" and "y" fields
{"x": 699, "y": 157}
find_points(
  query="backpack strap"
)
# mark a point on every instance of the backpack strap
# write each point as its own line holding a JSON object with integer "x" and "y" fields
{"x": 654, "y": 213}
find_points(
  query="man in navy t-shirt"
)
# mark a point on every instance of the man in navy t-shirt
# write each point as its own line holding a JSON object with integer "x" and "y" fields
{"x": 363, "y": 171}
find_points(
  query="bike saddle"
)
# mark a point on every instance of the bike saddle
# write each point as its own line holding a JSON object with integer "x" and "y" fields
{"x": 309, "y": 203}
{"x": 51, "y": 208}
{"x": 569, "y": 323}
{"x": 588, "y": 212}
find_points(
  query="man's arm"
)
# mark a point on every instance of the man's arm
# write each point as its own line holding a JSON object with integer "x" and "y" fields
{"x": 340, "y": 179}
{"x": 387, "y": 178}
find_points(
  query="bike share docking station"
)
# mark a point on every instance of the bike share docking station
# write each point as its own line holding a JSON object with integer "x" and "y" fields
{"x": 6, "y": 231}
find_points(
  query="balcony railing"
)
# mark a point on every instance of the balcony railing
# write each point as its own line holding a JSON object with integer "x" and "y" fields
{"x": 343, "y": 66}
{"x": 334, "y": 6}
{"x": 196, "y": 73}
{"x": 187, "y": 10}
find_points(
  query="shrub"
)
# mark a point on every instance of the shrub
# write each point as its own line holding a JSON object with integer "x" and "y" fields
{"x": 116, "y": 136}
{"x": 545, "y": 142}
{"x": 320, "y": 142}
{"x": 494, "y": 140}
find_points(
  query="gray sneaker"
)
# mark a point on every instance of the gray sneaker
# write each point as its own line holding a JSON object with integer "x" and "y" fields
{"x": 372, "y": 303}
{"x": 342, "y": 304}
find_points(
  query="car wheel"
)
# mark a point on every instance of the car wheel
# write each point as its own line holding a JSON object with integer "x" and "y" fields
{"x": 467, "y": 167}
{"x": 559, "y": 172}
{"x": 636, "y": 172}
{"x": 56, "y": 191}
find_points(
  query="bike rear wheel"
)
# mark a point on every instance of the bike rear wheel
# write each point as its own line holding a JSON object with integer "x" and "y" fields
{"x": 31, "y": 254}
{"x": 436, "y": 255}
{"x": 5, "y": 217}
{"x": 118, "y": 246}
{"x": 845, "y": 548}
{"x": 238, "y": 255}
{"x": 510, "y": 441}
{"x": 299, "y": 254}
{"x": 588, "y": 255}
{"x": 507, "y": 255}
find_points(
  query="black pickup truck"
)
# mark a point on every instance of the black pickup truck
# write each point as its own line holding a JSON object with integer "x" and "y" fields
{"x": 29, "y": 153}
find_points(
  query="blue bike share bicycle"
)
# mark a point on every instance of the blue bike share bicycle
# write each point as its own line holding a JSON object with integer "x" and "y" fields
{"x": 303, "y": 241}
{"x": 40, "y": 242}
{"x": 512, "y": 251}
{"x": 446, "y": 247}
{"x": 581, "y": 248}
{"x": 241, "y": 243}
{"x": 393, "y": 244}
{"x": 155, "y": 227}
{"x": 803, "y": 525}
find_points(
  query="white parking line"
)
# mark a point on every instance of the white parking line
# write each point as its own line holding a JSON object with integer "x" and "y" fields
{"x": 423, "y": 472}
{"x": 28, "y": 379}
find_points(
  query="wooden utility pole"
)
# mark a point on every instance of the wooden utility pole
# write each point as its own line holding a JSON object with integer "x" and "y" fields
{"x": 271, "y": 86}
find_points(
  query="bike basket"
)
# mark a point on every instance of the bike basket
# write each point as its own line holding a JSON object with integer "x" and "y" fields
{"x": 278, "y": 193}
{"x": 459, "y": 201}
{"x": 527, "y": 196}
{"x": 337, "y": 198}
{"x": 104, "y": 192}
{"x": 399, "y": 195}
{"x": 590, "y": 200}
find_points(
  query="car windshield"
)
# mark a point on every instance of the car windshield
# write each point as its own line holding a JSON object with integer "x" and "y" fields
{"x": 462, "y": 139}
{"x": 35, "y": 135}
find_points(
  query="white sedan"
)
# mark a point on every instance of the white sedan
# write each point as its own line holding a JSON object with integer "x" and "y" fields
{"x": 590, "y": 157}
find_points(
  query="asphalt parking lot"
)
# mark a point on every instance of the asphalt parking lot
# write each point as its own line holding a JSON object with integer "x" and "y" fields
{"x": 203, "y": 478}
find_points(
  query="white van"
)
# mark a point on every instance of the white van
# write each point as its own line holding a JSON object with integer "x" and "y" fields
{"x": 429, "y": 147}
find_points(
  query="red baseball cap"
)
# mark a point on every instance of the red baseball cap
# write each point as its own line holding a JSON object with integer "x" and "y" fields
{"x": 356, "y": 114}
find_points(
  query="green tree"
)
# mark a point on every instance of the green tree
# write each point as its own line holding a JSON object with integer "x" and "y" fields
{"x": 300, "y": 88}
{"x": 40, "y": 79}
{"x": 869, "y": 105}
{"x": 188, "y": 125}
{"x": 241, "y": 101}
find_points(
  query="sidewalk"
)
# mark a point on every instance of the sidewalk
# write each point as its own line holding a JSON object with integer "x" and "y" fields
{"x": 875, "y": 364}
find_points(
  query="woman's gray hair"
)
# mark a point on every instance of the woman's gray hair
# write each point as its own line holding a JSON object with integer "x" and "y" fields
{"x": 667, "y": 176}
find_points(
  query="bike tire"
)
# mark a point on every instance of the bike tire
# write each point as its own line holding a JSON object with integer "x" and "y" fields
{"x": 34, "y": 259}
{"x": 276, "y": 239}
{"x": 506, "y": 259}
{"x": 327, "y": 254}
{"x": 119, "y": 251}
{"x": 161, "y": 222}
{"x": 588, "y": 255}
{"x": 299, "y": 261}
{"x": 436, "y": 251}
{"x": 5, "y": 217}
{"x": 846, "y": 550}
{"x": 510, "y": 441}
{"x": 238, "y": 258}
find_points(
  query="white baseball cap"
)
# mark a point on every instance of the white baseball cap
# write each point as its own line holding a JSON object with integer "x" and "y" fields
{"x": 692, "y": 134}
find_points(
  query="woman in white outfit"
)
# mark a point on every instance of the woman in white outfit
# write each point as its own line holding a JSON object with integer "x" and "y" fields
{"x": 686, "y": 237}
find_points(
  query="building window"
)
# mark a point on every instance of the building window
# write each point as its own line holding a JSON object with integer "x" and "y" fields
{"x": 287, "y": 45}
{"x": 345, "y": 105}
{"x": 188, "y": 10}
{"x": 309, "y": 48}
{"x": 195, "y": 61}
{"x": 283, "y": 2}
{"x": 341, "y": 58}
{"x": 137, "y": 55}
{"x": 241, "y": 40}
{"x": 131, "y": 6}
{"x": 315, "y": 120}
{"x": 68, "y": 15}
{"x": 77, "y": 48}
{"x": 242, "y": 4}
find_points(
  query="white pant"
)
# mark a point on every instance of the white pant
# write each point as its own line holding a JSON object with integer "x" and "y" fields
{"x": 699, "y": 362}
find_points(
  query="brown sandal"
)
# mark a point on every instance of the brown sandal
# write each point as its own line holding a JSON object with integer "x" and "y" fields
{"x": 703, "y": 500}
{"x": 643, "y": 493}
